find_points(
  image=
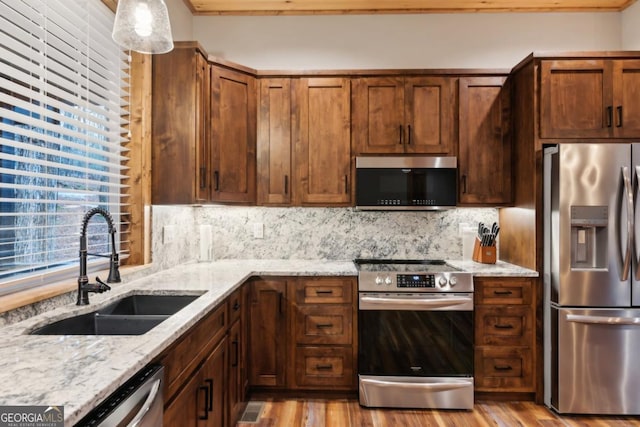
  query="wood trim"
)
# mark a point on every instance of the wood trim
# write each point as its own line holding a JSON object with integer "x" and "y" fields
{"x": 139, "y": 163}
{"x": 111, "y": 4}
{"x": 384, "y": 72}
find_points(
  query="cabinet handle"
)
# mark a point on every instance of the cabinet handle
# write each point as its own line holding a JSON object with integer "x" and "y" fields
{"x": 324, "y": 325}
{"x": 502, "y": 367}
{"x": 324, "y": 292}
{"x": 609, "y": 116}
{"x": 500, "y": 326}
{"x": 216, "y": 178}
{"x": 209, "y": 383}
{"x": 280, "y": 302}
{"x": 235, "y": 359}
{"x": 205, "y": 414}
{"x": 346, "y": 184}
{"x": 502, "y": 292}
{"x": 400, "y": 134}
{"x": 408, "y": 134}
{"x": 464, "y": 184}
{"x": 619, "y": 111}
{"x": 286, "y": 184}
{"x": 203, "y": 177}
{"x": 324, "y": 367}
{"x": 236, "y": 306}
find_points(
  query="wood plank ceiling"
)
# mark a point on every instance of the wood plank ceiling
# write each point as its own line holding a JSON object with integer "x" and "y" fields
{"x": 309, "y": 7}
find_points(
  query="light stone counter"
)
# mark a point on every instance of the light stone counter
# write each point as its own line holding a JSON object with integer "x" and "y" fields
{"x": 81, "y": 371}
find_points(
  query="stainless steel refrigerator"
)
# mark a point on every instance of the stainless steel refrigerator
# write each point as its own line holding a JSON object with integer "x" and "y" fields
{"x": 591, "y": 278}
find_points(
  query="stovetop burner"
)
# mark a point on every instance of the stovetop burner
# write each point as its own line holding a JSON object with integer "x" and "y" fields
{"x": 404, "y": 265}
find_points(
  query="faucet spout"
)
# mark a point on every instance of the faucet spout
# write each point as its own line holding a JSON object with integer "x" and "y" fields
{"x": 84, "y": 287}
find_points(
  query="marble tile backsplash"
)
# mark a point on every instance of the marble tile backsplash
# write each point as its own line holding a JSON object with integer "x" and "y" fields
{"x": 307, "y": 233}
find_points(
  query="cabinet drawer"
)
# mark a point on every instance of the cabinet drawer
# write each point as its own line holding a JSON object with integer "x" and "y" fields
{"x": 323, "y": 324}
{"x": 235, "y": 305}
{"x": 324, "y": 366}
{"x": 337, "y": 290}
{"x": 504, "y": 325}
{"x": 512, "y": 291}
{"x": 181, "y": 359}
{"x": 503, "y": 369}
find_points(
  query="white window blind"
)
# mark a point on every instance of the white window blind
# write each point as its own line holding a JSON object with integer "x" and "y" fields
{"x": 63, "y": 145}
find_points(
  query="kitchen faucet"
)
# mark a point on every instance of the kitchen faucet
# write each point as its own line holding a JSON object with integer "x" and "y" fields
{"x": 84, "y": 287}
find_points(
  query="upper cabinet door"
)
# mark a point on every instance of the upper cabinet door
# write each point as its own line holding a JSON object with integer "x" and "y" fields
{"x": 274, "y": 142}
{"x": 430, "y": 110}
{"x": 485, "y": 143}
{"x": 626, "y": 96}
{"x": 576, "y": 99}
{"x": 322, "y": 130}
{"x": 233, "y": 126}
{"x": 202, "y": 114}
{"x": 378, "y": 115}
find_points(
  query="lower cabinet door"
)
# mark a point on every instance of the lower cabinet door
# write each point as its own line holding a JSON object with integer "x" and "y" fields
{"x": 201, "y": 403}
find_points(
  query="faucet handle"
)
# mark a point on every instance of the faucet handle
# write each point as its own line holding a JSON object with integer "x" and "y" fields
{"x": 102, "y": 287}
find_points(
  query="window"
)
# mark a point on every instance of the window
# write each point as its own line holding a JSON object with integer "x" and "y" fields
{"x": 63, "y": 87}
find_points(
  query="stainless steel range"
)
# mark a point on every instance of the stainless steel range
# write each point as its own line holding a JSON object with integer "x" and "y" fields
{"x": 415, "y": 334}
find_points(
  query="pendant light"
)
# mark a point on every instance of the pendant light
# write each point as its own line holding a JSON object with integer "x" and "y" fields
{"x": 143, "y": 26}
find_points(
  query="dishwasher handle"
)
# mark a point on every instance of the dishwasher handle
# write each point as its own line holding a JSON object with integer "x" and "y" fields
{"x": 147, "y": 404}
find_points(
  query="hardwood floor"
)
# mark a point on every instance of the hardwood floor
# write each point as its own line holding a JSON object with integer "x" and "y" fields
{"x": 348, "y": 413}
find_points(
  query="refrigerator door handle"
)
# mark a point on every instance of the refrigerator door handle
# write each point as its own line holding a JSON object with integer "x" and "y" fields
{"x": 603, "y": 320}
{"x": 628, "y": 189}
{"x": 634, "y": 200}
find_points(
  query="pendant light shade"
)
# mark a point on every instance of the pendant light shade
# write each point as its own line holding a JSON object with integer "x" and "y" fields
{"x": 143, "y": 26}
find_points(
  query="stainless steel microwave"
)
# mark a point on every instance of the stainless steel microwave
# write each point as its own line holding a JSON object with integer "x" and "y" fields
{"x": 406, "y": 183}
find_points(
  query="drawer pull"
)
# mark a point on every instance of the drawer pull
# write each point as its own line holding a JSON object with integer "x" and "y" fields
{"x": 502, "y": 292}
{"x": 502, "y": 367}
{"x": 500, "y": 326}
{"x": 324, "y": 367}
{"x": 323, "y": 292}
{"x": 205, "y": 413}
{"x": 236, "y": 306}
{"x": 324, "y": 325}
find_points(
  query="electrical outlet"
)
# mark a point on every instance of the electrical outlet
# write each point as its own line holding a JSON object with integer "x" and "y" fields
{"x": 461, "y": 227}
{"x": 168, "y": 234}
{"x": 258, "y": 230}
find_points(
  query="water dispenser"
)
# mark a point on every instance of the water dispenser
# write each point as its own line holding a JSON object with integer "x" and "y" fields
{"x": 589, "y": 236}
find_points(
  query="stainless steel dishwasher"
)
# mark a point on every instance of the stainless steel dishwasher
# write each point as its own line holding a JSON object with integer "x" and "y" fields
{"x": 137, "y": 403}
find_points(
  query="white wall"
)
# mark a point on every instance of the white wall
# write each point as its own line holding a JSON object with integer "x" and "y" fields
{"x": 470, "y": 40}
{"x": 631, "y": 27}
{"x": 181, "y": 20}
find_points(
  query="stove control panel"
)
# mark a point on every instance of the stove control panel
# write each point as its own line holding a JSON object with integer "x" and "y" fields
{"x": 416, "y": 280}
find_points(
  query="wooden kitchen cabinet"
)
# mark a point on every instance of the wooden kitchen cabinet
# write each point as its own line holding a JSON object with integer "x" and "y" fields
{"x": 180, "y": 149}
{"x": 274, "y": 148}
{"x": 303, "y": 334}
{"x": 590, "y": 98}
{"x": 237, "y": 365}
{"x": 202, "y": 400}
{"x": 233, "y": 136}
{"x": 404, "y": 115}
{"x": 322, "y": 141}
{"x": 268, "y": 333}
{"x": 505, "y": 335}
{"x": 323, "y": 326}
{"x": 484, "y": 152}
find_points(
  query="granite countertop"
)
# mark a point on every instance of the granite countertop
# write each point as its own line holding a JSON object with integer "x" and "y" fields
{"x": 81, "y": 371}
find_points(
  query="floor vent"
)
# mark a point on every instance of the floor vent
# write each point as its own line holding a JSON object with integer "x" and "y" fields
{"x": 252, "y": 412}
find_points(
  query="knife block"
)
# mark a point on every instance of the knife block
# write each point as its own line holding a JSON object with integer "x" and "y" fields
{"x": 483, "y": 254}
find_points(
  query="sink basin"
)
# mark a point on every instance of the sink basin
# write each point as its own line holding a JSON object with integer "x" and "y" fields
{"x": 131, "y": 315}
{"x": 142, "y": 305}
{"x": 97, "y": 324}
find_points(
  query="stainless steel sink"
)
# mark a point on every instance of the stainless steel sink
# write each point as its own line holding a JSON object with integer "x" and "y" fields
{"x": 131, "y": 315}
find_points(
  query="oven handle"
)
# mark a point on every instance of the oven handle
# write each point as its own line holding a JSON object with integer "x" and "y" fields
{"x": 441, "y": 386}
{"x": 399, "y": 303}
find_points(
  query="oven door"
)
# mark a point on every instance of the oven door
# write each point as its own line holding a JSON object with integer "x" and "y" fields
{"x": 416, "y": 350}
